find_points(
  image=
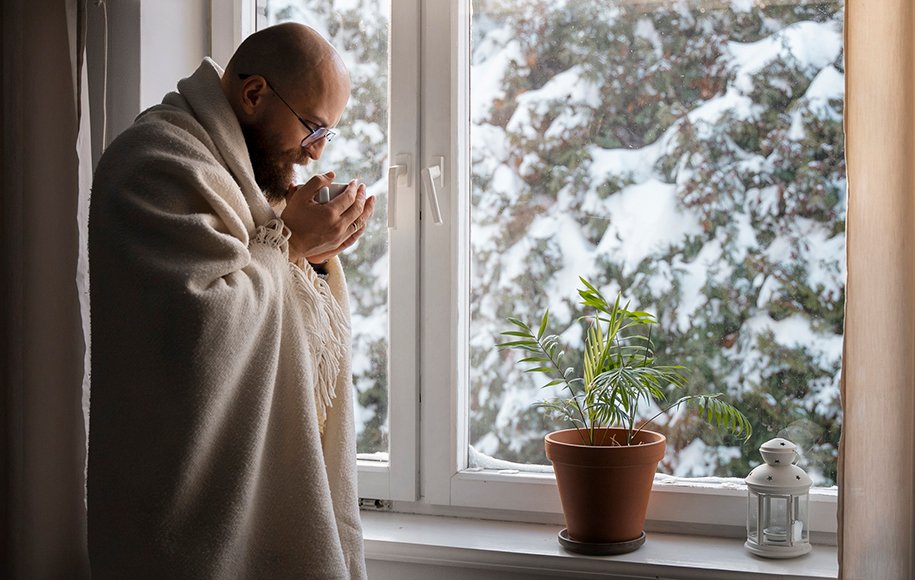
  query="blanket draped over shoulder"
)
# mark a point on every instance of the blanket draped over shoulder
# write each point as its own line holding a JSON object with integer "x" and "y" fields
{"x": 221, "y": 437}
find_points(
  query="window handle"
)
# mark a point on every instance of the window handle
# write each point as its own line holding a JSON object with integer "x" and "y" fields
{"x": 394, "y": 174}
{"x": 430, "y": 176}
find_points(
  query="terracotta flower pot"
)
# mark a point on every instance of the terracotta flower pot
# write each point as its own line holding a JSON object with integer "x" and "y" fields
{"x": 604, "y": 489}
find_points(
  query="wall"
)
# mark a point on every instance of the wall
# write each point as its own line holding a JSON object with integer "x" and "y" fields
{"x": 151, "y": 45}
{"x": 175, "y": 37}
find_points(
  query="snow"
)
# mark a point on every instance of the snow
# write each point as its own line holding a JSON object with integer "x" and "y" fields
{"x": 823, "y": 271}
{"x": 739, "y": 106}
{"x": 779, "y": 251}
{"x": 693, "y": 279}
{"x": 480, "y": 460}
{"x": 812, "y": 44}
{"x": 490, "y": 140}
{"x": 370, "y": 132}
{"x": 644, "y": 218}
{"x": 568, "y": 88}
{"x": 742, "y": 5}
{"x": 506, "y": 182}
{"x": 514, "y": 262}
{"x": 577, "y": 252}
{"x": 827, "y": 85}
{"x": 797, "y": 332}
{"x": 645, "y": 29}
{"x": 697, "y": 459}
{"x": 486, "y": 76}
{"x": 488, "y": 445}
{"x": 636, "y": 164}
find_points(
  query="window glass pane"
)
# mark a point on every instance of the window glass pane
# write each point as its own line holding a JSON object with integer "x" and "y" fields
{"x": 691, "y": 155}
{"x": 359, "y": 31}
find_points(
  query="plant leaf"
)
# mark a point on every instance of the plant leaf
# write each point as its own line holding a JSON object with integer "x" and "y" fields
{"x": 543, "y": 323}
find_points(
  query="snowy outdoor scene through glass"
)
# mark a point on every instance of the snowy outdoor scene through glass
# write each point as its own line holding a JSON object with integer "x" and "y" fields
{"x": 687, "y": 153}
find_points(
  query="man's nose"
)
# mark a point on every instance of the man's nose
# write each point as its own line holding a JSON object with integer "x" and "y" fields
{"x": 314, "y": 150}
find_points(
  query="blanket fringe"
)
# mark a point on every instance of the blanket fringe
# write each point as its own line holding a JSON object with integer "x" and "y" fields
{"x": 328, "y": 330}
{"x": 274, "y": 233}
{"x": 326, "y": 323}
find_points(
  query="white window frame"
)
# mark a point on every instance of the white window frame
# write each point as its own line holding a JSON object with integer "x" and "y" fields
{"x": 427, "y": 472}
{"x": 396, "y": 478}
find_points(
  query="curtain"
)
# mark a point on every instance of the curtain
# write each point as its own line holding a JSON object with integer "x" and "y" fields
{"x": 877, "y": 451}
{"x": 84, "y": 184}
{"x": 41, "y": 335}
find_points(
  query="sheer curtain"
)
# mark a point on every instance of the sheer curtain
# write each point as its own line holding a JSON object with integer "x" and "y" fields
{"x": 877, "y": 456}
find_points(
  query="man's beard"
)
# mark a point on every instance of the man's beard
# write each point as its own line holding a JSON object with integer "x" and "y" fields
{"x": 273, "y": 168}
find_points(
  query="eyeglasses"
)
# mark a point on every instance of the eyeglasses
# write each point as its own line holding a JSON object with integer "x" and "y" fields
{"x": 314, "y": 134}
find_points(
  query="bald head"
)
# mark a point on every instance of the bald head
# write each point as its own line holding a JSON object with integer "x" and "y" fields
{"x": 292, "y": 56}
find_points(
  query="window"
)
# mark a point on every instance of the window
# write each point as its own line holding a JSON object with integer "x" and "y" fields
{"x": 691, "y": 155}
{"x": 384, "y": 346}
{"x": 687, "y": 153}
{"x": 360, "y": 151}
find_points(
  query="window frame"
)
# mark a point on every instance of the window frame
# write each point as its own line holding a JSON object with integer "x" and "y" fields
{"x": 427, "y": 471}
{"x": 395, "y": 479}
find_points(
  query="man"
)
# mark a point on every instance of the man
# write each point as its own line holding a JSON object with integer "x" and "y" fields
{"x": 221, "y": 441}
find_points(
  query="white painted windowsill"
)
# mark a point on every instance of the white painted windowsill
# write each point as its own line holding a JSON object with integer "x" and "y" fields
{"x": 534, "y": 549}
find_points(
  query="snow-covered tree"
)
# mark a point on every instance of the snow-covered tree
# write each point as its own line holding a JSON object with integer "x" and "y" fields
{"x": 689, "y": 156}
{"x": 687, "y": 153}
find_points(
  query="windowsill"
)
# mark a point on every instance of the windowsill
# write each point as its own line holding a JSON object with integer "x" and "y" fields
{"x": 533, "y": 548}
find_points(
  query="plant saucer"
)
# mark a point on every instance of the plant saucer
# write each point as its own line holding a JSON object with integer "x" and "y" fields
{"x": 599, "y": 548}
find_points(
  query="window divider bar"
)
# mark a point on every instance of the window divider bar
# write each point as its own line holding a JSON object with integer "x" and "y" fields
{"x": 404, "y": 285}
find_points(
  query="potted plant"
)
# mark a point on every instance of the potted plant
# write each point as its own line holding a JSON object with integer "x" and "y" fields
{"x": 605, "y": 464}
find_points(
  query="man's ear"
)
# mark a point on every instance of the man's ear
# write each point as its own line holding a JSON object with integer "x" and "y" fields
{"x": 253, "y": 90}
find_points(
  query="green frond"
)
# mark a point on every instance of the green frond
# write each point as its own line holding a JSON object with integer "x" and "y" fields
{"x": 543, "y": 323}
{"x": 718, "y": 412}
{"x": 515, "y": 343}
{"x": 725, "y": 415}
{"x": 620, "y": 370}
{"x": 521, "y": 325}
{"x": 539, "y": 370}
{"x": 516, "y": 333}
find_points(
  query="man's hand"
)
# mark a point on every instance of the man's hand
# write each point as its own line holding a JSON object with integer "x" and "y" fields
{"x": 321, "y": 231}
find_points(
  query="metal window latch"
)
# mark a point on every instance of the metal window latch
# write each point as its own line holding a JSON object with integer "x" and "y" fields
{"x": 433, "y": 179}
{"x": 375, "y": 505}
{"x": 395, "y": 172}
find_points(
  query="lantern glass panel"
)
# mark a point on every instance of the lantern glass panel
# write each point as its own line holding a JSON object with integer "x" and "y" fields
{"x": 753, "y": 517}
{"x": 775, "y": 523}
{"x": 801, "y": 519}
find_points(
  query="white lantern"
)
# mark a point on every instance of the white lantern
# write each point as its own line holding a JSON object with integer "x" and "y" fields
{"x": 777, "y": 508}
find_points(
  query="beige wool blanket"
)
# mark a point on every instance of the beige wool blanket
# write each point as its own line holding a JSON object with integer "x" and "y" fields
{"x": 221, "y": 439}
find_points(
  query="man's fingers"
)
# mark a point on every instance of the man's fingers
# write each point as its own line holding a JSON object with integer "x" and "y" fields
{"x": 347, "y": 226}
{"x": 344, "y": 245}
{"x": 354, "y": 209}
{"x": 311, "y": 186}
{"x": 350, "y": 236}
{"x": 359, "y": 224}
{"x": 367, "y": 211}
{"x": 345, "y": 200}
{"x": 351, "y": 240}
